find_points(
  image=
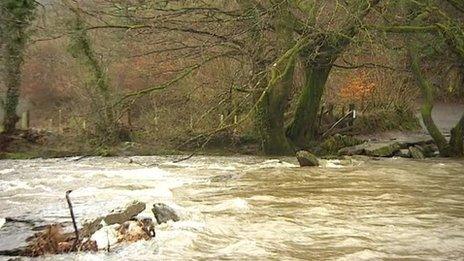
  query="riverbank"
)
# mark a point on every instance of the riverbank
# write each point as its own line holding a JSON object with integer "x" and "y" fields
{"x": 46, "y": 144}
{"x": 33, "y": 144}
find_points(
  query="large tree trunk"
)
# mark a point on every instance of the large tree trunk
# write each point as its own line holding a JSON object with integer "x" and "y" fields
{"x": 270, "y": 116}
{"x": 272, "y": 103}
{"x": 304, "y": 126}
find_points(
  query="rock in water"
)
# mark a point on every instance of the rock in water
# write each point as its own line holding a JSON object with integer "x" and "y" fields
{"x": 403, "y": 153}
{"x": 2, "y": 222}
{"x": 106, "y": 236}
{"x": 306, "y": 159}
{"x": 382, "y": 149}
{"x": 416, "y": 153}
{"x": 121, "y": 215}
{"x": 163, "y": 213}
{"x": 132, "y": 231}
{"x": 91, "y": 226}
{"x": 373, "y": 149}
{"x": 352, "y": 150}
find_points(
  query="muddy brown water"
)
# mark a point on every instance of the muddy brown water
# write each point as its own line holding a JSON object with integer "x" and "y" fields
{"x": 255, "y": 208}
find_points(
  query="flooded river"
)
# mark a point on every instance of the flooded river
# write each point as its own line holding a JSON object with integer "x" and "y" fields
{"x": 255, "y": 208}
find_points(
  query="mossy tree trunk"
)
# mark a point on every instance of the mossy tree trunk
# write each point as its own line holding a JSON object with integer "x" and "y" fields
{"x": 13, "y": 62}
{"x": 427, "y": 107}
{"x": 304, "y": 126}
{"x": 81, "y": 48}
{"x": 319, "y": 62}
{"x": 457, "y": 139}
{"x": 272, "y": 103}
{"x": 270, "y": 115}
{"x": 16, "y": 16}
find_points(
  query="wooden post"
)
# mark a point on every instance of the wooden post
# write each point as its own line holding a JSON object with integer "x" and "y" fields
{"x": 129, "y": 118}
{"x": 25, "y": 120}
{"x": 191, "y": 122}
{"x": 353, "y": 114}
{"x": 60, "y": 117}
{"x": 221, "y": 120}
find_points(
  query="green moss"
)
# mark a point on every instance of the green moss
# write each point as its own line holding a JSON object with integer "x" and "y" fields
{"x": 333, "y": 144}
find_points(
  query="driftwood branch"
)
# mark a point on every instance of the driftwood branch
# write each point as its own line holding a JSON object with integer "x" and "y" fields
{"x": 71, "y": 211}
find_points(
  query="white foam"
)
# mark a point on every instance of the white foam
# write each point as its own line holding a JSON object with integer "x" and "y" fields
{"x": 137, "y": 174}
{"x": 319, "y": 211}
{"x": 6, "y": 171}
{"x": 247, "y": 247}
{"x": 365, "y": 255}
{"x": 333, "y": 164}
{"x": 13, "y": 185}
{"x": 2, "y": 222}
{"x": 189, "y": 225}
{"x": 232, "y": 204}
{"x": 84, "y": 192}
{"x": 276, "y": 163}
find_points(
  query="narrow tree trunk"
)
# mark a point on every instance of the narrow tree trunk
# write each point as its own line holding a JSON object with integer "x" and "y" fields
{"x": 13, "y": 61}
{"x": 304, "y": 126}
{"x": 457, "y": 139}
{"x": 427, "y": 107}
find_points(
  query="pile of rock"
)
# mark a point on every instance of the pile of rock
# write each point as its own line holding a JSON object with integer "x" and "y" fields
{"x": 417, "y": 149}
{"x": 120, "y": 225}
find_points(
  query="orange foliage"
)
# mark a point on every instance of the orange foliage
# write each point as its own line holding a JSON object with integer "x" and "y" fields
{"x": 357, "y": 89}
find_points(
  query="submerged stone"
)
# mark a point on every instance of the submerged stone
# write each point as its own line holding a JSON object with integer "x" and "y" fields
{"x": 163, "y": 213}
{"x": 307, "y": 159}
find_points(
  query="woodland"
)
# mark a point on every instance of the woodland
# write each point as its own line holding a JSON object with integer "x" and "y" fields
{"x": 257, "y": 76}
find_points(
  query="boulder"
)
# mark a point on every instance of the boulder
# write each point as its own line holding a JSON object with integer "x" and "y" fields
{"x": 91, "y": 226}
{"x": 106, "y": 236}
{"x": 353, "y": 150}
{"x": 416, "y": 152}
{"x": 373, "y": 149}
{"x": 163, "y": 213}
{"x": 307, "y": 159}
{"x": 121, "y": 215}
{"x": 403, "y": 153}
{"x": 132, "y": 231}
{"x": 13, "y": 238}
{"x": 381, "y": 149}
{"x": 429, "y": 150}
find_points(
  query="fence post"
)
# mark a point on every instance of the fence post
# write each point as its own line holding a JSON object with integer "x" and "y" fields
{"x": 222, "y": 120}
{"x": 25, "y": 120}
{"x": 60, "y": 118}
{"x": 353, "y": 114}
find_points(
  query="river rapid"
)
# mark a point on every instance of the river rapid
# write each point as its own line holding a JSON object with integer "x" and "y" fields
{"x": 254, "y": 208}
